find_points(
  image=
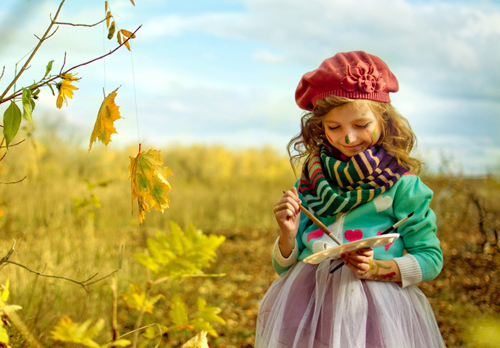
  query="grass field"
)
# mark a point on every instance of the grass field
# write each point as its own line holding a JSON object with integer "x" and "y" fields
{"x": 64, "y": 226}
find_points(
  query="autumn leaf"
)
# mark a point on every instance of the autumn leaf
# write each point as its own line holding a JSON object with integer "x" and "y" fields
{"x": 108, "y": 18}
{"x": 127, "y": 33}
{"x": 149, "y": 183}
{"x": 65, "y": 89}
{"x": 68, "y": 331}
{"x": 108, "y": 114}
{"x": 132, "y": 1}
{"x": 136, "y": 299}
{"x": 111, "y": 31}
{"x": 198, "y": 341}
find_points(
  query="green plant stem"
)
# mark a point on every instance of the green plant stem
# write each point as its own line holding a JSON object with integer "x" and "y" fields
{"x": 138, "y": 322}
{"x": 40, "y": 42}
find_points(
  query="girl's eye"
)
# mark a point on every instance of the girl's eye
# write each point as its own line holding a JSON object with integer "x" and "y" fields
{"x": 332, "y": 128}
{"x": 364, "y": 125}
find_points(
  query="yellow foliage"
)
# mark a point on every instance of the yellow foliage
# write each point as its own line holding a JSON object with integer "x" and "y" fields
{"x": 68, "y": 331}
{"x": 149, "y": 182}
{"x": 65, "y": 89}
{"x": 104, "y": 124}
{"x": 136, "y": 299}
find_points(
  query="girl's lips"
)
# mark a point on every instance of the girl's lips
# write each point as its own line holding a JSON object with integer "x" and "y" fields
{"x": 352, "y": 147}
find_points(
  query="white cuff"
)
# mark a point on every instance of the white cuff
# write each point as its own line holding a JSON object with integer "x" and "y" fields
{"x": 280, "y": 260}
{"x": 410, "y": 270}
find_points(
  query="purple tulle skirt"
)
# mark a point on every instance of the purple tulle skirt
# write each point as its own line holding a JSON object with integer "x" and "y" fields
{"x": 308, "y": 307}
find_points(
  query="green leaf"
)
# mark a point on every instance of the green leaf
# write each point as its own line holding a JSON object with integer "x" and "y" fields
{"x": 136, "y": 299}
{"x": 11, "y": 122}
{"x": 178, "y": 312}
{"x": 180, "y": 254}
{"x": 27, "y": 105}
{"x": 52, "y": 89}
{"x": 49, "y": 68}
{"x": 111, "y": 31}
{"x": 206, "y": 316}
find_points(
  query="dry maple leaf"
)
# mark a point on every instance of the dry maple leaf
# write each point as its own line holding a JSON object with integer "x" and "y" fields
{"x": 108, "y": 114}
{"x": 149, "y": 183}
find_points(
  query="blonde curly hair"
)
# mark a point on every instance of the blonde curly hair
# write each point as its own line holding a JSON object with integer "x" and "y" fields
{"x": 396, "y": 136}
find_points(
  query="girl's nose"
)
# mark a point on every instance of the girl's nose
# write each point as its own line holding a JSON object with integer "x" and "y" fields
{"x": 349, "y": 139}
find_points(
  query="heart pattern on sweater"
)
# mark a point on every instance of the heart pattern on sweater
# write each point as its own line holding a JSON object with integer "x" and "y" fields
{"x": 352, "y": 235}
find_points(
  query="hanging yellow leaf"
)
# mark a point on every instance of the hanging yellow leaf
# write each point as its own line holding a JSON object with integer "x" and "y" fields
{"x": 111, "y": 31}
{"x": 127, "y": 33}
{"x": 108, "y": 114}
{"x": 65, "y": 89}
{"x": 105, "y": 6}
{"x": 149, "y": 183}
{"x": 132, "y": 1}
{"x": 127, "y": 44}
{"x": 119, "y": 38}
{"x": 108, "y": 18}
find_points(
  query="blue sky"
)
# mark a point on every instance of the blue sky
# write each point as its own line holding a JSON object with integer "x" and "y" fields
{"x": 225, "y": 71}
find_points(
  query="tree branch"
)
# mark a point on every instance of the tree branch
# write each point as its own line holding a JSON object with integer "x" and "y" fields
{"x": 12, "y": 182}
{"x": 84, "y": 283}
{"x": 105, "y": 55}
{"x": 44, "y": 37}
{"x": 42, "y": 82}
{"x": 82, "y": 25}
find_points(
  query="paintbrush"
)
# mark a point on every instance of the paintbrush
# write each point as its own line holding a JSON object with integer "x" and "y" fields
{"x": 390, "y": 229}
{"x": 397, "y": 224}
{"x": 319, "y": 223}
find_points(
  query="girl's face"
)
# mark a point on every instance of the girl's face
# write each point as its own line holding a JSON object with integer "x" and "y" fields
{"x": 351, "y": 129}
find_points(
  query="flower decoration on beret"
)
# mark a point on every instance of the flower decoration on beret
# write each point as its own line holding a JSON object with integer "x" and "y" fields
{"x": 364, "y": 77}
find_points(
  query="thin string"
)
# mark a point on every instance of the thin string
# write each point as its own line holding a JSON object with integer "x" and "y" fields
{"x": 135, "y": 98}
{"x": 104, "y": 36}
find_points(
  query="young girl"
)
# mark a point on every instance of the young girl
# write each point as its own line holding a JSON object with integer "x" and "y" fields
{"x": 356, "y": 179}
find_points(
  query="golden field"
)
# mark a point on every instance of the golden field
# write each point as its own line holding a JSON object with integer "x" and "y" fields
{"x": 71, "y": 217}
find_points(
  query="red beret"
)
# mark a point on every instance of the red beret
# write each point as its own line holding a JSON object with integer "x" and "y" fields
{"x": 354, "y": 75}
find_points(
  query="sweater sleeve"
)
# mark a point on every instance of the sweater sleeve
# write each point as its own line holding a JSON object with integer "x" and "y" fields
{"x": 418, "y": 232}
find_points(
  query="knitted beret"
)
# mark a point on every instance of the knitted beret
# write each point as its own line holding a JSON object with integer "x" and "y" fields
{"x": 354, "y": 75}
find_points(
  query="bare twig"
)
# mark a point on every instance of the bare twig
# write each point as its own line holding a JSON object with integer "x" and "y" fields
{"x": 12, "y": 182}
{"x": 82, "y": 25}
{"x": 84, "y": 283}
{"x": 47, "y": 81}
{"x": 9, "y": 253}
{"x": 3, "y": 147}
{"x": 107, "y": 54}
{"x": 3, "y": 72}
{"x": 26, "y": 64}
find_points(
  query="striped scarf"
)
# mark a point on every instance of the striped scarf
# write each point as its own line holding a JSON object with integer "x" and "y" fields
{"x": 331, "y": 186}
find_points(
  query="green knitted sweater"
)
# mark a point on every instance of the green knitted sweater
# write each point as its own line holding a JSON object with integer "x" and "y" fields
{"x": 417, "y": 252}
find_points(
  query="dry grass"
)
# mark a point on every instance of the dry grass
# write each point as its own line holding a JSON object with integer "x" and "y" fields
{"x": 219, "y": 191}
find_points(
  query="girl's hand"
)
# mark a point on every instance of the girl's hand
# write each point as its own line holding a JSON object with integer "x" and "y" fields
{"x": 363, "y": 265}
{"x": 360, "y": 262}
{"x": 287, "y": 214}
